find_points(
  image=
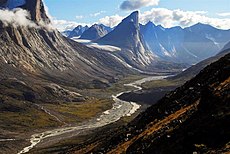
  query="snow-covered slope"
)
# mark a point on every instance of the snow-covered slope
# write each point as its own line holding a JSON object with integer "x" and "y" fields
{"x": 94, "y": 45}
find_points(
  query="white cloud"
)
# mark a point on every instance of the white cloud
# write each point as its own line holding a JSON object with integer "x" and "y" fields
{"x": 225, "y": 14}
{"x": 165, "y": 17}
{"x": 111, "y": 21}
{"x": 63, "y": 25}
{"x": 16, "y": 17}
{"x": 137, "y": 4}
{"x": 79, "y": 17}
{"x": 97, "y": 14}
{"x": 169, "y": 18}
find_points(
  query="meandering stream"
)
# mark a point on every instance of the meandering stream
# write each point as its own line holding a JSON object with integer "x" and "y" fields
{"x": 120, "y": 109}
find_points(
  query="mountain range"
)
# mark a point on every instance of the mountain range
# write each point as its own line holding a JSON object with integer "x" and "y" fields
{"x": 76, "y": 32}
{"x": 130, "y": 49}
{"x": 134, "y": 50}
{"x": 176, "y": 44}
{"x": 185, "y": 45}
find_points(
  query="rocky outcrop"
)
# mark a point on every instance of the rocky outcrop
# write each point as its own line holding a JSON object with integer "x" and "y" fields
{"x": 37, "y": 11}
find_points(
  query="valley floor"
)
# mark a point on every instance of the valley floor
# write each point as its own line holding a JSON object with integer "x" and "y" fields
{"x": 70, "y": 119}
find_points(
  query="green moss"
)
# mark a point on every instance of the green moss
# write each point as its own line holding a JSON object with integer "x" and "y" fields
{"x": 161, "y": 83}
{"x": 23, "y": 117}
{"x": 78, "y": 112}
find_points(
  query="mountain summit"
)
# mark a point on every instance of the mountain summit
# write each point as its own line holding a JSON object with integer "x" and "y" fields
{"x": 34, "y": 7}
{"x": 128, "y": 37}
{"x": 76, "y": 32}
{"x": 129, "y": 27}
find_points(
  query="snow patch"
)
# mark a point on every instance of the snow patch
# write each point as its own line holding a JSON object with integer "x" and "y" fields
{"x": 214, "y": 41}
{"x": 104, "y": 47}
{"x": 83, "y": 41}
{"x": 106, "y": 112}
{"x": 190, "y": 53}
{"x": 165, "y": 52}
{"x": 91, "y": 44}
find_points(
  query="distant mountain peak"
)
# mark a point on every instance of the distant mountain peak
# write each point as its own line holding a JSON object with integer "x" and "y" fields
{"x": 128, "y": 37}
{"x": 95, "y": 32}
{"x": 200, "y": 25}
{"x": 133, "y": 17}
{"x": 78, "y": 27}
{"x": 76, "y": 32}
{"x": 129, "y": 27}
{"x": 97, "y": 26}
{"x": 150, "y": 24}
{"x": 161, "y": 27}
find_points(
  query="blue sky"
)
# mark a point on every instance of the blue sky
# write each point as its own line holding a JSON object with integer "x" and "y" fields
{"x": 91, "y": 11}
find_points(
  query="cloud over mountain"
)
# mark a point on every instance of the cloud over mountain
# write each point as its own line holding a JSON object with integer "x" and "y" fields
{"x": 225, "y": 14}
{"x": 111, "y": 21}
{"x": 63, "y": 25}
{"x": 136, "y": 4}
{"x": 169, "y": 18}
{"x": 16, "y": 17}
